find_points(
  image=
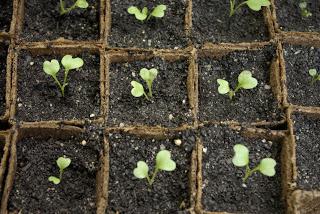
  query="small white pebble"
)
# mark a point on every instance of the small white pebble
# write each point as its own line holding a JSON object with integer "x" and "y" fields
{"x": 149, "y": 42}
{"x": 133, "y": 74}
{"x": 31, "y": 63}
{"x": 92, "y": 115}
{"x": 183, "y": 101}
{"x": 162, "y": 147}
{"x": 170, "y": 116}
{"x": 244, "y": 185}
{"x": 264, "y": 140}
{"x": 83, "y": 143}
{"x": 204, "y": 149}
{"x": 121, "y": 125}
{"x": 178, "y": 142}
{"x": 267, "y": 87}
{"x": 19, "y": 104}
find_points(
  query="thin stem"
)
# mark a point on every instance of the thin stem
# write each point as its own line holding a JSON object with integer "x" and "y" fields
{"x": 150, "y": 88}
{"x": 232, "y": 11}
{"x": 62, "y": 8}
{"x": 153, "y": 176}
{"x": 59, "y": 84}
{"x": 60, "y": 175}
{"x": 232, "y": 2}
{"x": 249, "y": 172}
{"x": 146, "y": 96}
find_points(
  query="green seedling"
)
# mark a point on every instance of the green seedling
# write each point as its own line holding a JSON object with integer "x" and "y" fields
{"x": 245, "y": 81}
{"x": 163, "y": 162}
{"x": 62, "y": 163}
{"x": 83, "y": 4}
{"x": 314, "y": 74}
{"x": 52, "y": 68}
{"x": 241, "y": 159}
{"x": 142, "y": 15}
{"x": 148, "y": 76}
{"x": 254, "y": 5}
{"x": 303, "y": 5}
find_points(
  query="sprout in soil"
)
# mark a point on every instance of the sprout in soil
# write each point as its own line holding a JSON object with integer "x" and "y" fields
{"x": 148, "y": 76}
{"x": 78, "y": 4}
{"x": 303, "y": 5}
{"x": 241, "y": 159}
{"x": 254, "y": 5}
{"x": 52, "y": 68}
{"x": 245, "y": 81}
{"x": 62, "y": 163}
{"x": 314, "y": 74}
{"x": 157, "y": 12}
{"x": 163, "y": 162}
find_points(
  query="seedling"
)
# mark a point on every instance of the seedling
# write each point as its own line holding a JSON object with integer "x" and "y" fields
{"x": 148, "y": 76}
{"x": 245, "y": 81}
{"x": 83, "y": 4}
{"x": 62, "y": 163}
{"x": 314, "y": 74}
{"x": 163, "y": 162}
{"x": 52, "y": 68}
{"x": 241, "y": 159}
{"x": 254, "y": 5}
{"x": 303, "y": 5}
{"x": 157, "y": 12}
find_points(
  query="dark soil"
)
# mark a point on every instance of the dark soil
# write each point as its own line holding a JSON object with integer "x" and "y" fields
{"x": 299, "y": 60}
{"x": 5, "y": 14}
{"x": 248, "y": 105}
{"x": 223, "y": 189}
{"x": 169, "y": 192}
{"x": 166, "y": 32}
{"x": 3, "y": 72}
{"x": 2, "y": 143}
{"x": 211, "y": 23}
{"x": 39, "y": 98}
{"x": 290, "y": 18}
{"x": 33, "y": 193}
{"x": 306, "y": 130}
{"x": 170, "y": 97}
{"x": 42, "y": 21}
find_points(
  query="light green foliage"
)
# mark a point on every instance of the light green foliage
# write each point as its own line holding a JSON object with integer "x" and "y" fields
{"x": 241, "y": 159}
{"x": 143, "y": 14}
{"x": 83, "y": 4}
{"x": 52, "y": 68}
{"x": 303, "y": 5}
{"x": 254, "y": 5}
{"x": 163, "y": 162}
{"x": 245, "y": 81}
{"x": 62, "y": 163}
{"x": 314, "y": 74}
{"x": 148, "y": 76}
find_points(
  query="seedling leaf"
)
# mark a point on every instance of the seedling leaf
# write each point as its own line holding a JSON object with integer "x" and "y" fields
{"x": 164, "y": 161}
{"x": 148, "y": 75}
{"x": 266, "y": 166}
{"x": 82, "y": 4}
{"x": 257, "y": 4}
{"x": 241, "y": 155}
{"x": 158, "y": 11}
{"x": 223, "y": 86}
{"x": 246, "y": 81}
{"x": 54, "y": 179}
{"x": 137, "y": 90}
{"x": 140, "y": 15}
{"x": 141, "y": 171}
{"x": 71, "y": 63}
{"x": 313, "y": 72}
{"x": 63, "y": 162}
{"x": 52, "y": 67}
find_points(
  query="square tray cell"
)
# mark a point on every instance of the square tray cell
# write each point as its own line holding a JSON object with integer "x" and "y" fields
{"x": 222, "y": 187}
{"x": 211, "y": 23}
{"x": 165, "y": 32}
{"x": 289, "y": 16}
{"x": 306, "y": 131}
{"x": 170, "y": 191}
{"x": 3, "y": 75}
{"x": 257, "y": 104}
{"x": 42, "y": 21}
{"x": 298, "y": 61}
{"x": 5, "y": 15}
{"x": 39, "y": 98}
{"x": 169, "y": 106}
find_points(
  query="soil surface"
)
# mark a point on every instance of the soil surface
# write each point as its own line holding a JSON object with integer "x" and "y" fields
{"x": 39, "y": 98}
{"x": 42, "y": 21}
{"x": 248, "y": 105}
{"x": 223, "y": 189}
{"x": 169, "y": 192}
{"x": 33, "y": 193}
{"x": 290, "y": 19}
{"x": 211, "y": 23}
{"x": 169, "y": 105}
{"x": 306, "y": 130}
{"x": 3, "y": 74}
{"x": 299, "y": 60}
{"x": 2, "y": 143}
{"x": 5, "y": 15}
{"x": 165, "y": 32}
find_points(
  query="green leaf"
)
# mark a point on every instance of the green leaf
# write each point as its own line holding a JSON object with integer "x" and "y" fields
{"x": 313, "y": 72}
{"x": 71, "y": 63}
{"x": 257, "y": 4}
{"x": 137, "y": 90}
{"x": 164, "y": 162}
{"x": 54, "y": 179}
{"x": 223, "y": 86}
{"x": 266, "y": 166}
{"x": 158, "y": 11}
{"x": 303, "y": 5}
{"x": 138, "y": 14}
{"x": 148, "y": 75}
{"x": 141, "y": 171}
{"x": 51, "y": 68}
{"x": 246, "y": 81}
{"x": 63, "y": 163}
{"x": 241, "y": 155}
{"x": 82, "y": 4}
